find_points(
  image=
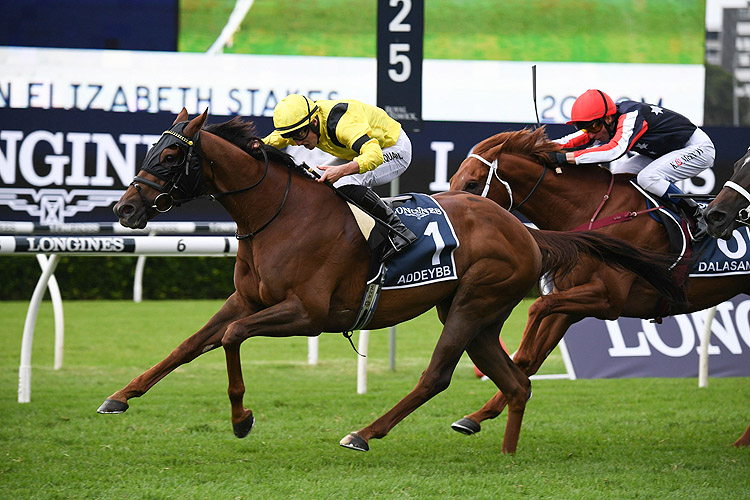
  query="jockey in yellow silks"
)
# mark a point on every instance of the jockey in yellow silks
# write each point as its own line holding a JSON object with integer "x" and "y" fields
{"x": 371, "y": 149}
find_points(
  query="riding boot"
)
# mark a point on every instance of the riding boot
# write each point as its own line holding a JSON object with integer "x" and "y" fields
{"x": 399, "y": 236}
{"x": 692, "y": 211}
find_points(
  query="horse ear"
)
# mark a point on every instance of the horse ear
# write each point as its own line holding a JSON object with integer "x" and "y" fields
{"x": 196, "y": 124}
{"x": 181, "y": 117}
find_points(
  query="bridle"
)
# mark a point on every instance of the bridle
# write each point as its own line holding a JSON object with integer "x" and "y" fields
{"x": 493, "y": 172}
{"x": 189, "y": 180}
{"x": 743, "y": 215}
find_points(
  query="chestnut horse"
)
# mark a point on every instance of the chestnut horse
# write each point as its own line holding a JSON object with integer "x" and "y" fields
{"x": 302, "y": 265}
{"x": 511, "y": 168}
{"x": 727, "y": 212}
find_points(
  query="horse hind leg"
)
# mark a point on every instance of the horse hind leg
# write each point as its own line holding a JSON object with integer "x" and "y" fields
{"x": 550, "y": 317}
{"x": 744, "y": 440}
{"x": 489, "y": 356}
{"x": 530, "y": 342}
{"x": 434, "y": 380}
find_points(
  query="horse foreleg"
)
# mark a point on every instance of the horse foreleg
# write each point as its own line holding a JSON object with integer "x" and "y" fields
{"x": 534, "y": 346}
{"x": 285, "y": 319}
{"x": 204, "y": 340}
{"x": 242, "y": 418}
{"x": 744, "y": 440}
{"x": 550, "y": 316}
{"x": 488, "y": 355}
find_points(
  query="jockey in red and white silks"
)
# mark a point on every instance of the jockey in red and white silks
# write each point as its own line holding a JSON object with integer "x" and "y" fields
{"x": 667, "y": 146}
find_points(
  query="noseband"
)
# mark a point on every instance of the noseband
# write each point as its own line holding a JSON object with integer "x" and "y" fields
{"x": 493, "y": 172}
{"x": 743, "y": 216}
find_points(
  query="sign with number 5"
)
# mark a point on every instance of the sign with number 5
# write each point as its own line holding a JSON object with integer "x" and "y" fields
{"x": 400, "y": 52}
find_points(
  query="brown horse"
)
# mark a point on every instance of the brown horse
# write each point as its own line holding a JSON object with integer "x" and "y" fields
{"x": 511, "y": 169}
{"x": 727, "y": 212}
{"x": 302, "y": 264}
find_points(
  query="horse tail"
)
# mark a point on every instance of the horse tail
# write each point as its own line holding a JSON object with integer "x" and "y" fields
{"x": 560, "y": 251}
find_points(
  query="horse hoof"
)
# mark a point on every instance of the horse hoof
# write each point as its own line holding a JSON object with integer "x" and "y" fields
{"x": 243, "y": 428}
{"x": 354, "y": 442}
{"x": 112, "y": 406}
{"x": 466, "y": 426}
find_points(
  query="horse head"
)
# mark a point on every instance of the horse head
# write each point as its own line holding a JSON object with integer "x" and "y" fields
{"x": 731, "y": 208}
{"x": 172, "y": 172}
{"x": 494, "y": 165}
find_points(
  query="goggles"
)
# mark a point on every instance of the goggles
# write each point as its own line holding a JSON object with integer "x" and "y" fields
{"x": 591, "y": 127}
{"x": 298, "y": 135}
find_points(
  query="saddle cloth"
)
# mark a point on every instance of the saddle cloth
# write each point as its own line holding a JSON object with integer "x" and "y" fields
{"x": 710, "y": 257}
{"x": 430, "y": 258}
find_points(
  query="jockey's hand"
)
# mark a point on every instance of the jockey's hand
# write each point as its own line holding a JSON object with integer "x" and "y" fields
{"x": 557, "y": 158}
{"x": 332, "y": 173}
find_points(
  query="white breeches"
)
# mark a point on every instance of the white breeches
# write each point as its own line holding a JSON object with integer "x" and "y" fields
{"x": 655, "y": 175}
{"x": 396, "y": 160}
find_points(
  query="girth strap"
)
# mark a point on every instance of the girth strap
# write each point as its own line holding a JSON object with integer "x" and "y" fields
{"x": 369, "y": 305}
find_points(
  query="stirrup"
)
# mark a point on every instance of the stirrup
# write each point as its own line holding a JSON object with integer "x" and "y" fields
{"x": 397, "y": 242}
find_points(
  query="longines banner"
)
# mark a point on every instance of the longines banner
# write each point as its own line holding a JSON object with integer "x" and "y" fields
{"x": 629, "y": 347}
{"x": 59, "y": 166}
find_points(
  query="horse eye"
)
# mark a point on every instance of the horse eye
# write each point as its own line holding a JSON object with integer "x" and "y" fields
{"x": 471, "y": 185}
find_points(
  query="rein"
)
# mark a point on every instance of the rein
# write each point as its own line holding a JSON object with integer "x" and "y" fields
{"x": 216, "y": 196}
{"x": 261, "y": 228}
{"x": 743, "y": 216}
{"x": 493, "y": 172}
{"x": 592, "y": 223}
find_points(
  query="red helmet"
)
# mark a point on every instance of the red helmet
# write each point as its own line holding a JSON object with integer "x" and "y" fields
{"x": 592, "y": 105}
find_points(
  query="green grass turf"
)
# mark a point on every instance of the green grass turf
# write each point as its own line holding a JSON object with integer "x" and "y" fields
{"x": 585, "y": 439}
{"x": 634, "y": 31}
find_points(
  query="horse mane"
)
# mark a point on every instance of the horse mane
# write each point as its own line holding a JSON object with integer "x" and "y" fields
{"x": 242, "y": 134}
{"x": 532, "y": 143}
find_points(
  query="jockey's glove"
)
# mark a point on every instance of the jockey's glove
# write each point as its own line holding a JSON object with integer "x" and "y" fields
{"x": 557, "y": 158}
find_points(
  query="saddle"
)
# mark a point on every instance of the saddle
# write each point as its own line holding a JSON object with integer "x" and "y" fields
{"x": 676, "y": 223}
{"x": 376, "y": 235}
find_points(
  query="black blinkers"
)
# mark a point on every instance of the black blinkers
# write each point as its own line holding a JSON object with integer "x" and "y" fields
{"x": 185, "y": 177}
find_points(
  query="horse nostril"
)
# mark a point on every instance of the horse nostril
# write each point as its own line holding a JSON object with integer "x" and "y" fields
{"x": 715, "y": 216}
{"x": 123, "y": 210}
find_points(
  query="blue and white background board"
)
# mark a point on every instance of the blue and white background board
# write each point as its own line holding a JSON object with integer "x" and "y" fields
{"x": 630, "y": 347}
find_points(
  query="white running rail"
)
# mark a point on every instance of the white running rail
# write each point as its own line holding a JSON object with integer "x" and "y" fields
{"x": 233, "y": 24}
